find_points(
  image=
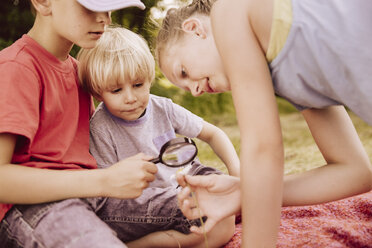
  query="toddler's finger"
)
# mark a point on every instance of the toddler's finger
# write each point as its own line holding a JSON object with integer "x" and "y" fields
{"x": 190, "y": 210}
{"x": 196, "y": 230}
{"x": 184, "y": 193}
{"x": 151, "y": 168}
{"x": 181, "y": 179}
{"x": 149, "y": 177}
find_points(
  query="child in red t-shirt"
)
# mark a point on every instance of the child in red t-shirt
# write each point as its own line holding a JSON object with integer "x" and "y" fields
{"x": 44, "y": 135}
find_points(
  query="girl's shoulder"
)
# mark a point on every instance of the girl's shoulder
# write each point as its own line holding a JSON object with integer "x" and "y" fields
{"x": 251, "y": 6}
{"x": 253, "y": 16}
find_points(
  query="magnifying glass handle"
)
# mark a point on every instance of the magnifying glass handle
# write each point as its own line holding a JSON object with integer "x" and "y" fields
{"x": 155, "y": 160}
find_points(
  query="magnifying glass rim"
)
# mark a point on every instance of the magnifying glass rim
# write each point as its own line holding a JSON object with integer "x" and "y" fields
{"x": 176, "y": 141}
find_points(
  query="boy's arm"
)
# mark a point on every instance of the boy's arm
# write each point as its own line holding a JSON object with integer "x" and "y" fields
{"x": 21, "y": 184}
{"x": 222, "y": 146}
{"x": 25, "y": 185}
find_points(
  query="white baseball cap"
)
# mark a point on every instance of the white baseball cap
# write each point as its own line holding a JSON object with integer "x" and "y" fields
{"x": 110, "y": 5}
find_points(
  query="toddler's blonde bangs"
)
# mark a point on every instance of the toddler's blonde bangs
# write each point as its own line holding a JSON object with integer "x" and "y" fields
{"x": 119, "y": 55}
{"x": 132, "y": 65}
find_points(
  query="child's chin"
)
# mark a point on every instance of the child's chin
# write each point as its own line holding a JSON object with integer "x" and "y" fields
{"x": 131, "y": 118}
{"x": 87, "y": 45}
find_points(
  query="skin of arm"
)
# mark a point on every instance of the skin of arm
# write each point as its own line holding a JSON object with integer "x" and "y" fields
{"x": 222, "y": 146}
{"x": 25, "y": 185}
{"x": 348, "y": 169}
{"x": 262, "y": 154}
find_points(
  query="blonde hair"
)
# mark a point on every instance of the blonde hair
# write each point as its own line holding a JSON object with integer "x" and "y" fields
{"x": 171, "y": 27}
{"x": 119, "y": 54}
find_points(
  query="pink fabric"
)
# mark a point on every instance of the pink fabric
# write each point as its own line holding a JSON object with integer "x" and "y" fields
{"x": 344, "y": 223}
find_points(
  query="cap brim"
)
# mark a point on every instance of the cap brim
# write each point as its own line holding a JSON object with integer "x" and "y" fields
{"x": 106, "y": 5}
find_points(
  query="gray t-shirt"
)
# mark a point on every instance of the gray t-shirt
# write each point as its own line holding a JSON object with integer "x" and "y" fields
{"x": 113, "y": 139}
{"x": 327, "y": 58}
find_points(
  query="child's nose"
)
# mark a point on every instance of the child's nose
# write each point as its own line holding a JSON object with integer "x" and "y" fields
{"x": 104, "y": 17}
{"x": 129, "y": 97}
{"x": 196, "y": 89}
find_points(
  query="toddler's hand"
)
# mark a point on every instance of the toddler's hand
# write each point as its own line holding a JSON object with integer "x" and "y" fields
{"x": 129, "y": 177}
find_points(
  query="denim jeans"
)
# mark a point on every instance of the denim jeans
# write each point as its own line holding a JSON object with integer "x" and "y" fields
{"x": 95, "y": 222}
{"x": 68, "y": 223}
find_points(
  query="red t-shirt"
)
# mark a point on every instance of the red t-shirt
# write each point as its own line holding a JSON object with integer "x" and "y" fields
{"x": 41, "y": 102}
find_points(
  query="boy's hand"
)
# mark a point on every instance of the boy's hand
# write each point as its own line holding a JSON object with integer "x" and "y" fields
{"x": 129, "y": 177}
{"x": 218, "y": 197}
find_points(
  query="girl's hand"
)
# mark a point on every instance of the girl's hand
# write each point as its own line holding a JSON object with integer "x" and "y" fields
{"x": 218, "y": 197}
{"x": 129, "y": 177}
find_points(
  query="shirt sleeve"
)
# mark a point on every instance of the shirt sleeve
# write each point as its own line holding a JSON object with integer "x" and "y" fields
{"x": 184, "y": 121}
{"x": 19, "y": 100}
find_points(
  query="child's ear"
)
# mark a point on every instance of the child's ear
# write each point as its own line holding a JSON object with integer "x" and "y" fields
{"x": 42, "y": 7}
{"x": 194, "y": 26}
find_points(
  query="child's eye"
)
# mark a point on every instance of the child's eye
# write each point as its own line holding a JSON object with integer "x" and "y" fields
{"x": 137, "y": 85}
{"x": 116, "y": 90}
{"x": 183, "y": 73}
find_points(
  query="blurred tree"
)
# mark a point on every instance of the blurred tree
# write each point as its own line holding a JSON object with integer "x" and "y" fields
{"x": 16, "y": 19}
{"x": 137, "y": 20}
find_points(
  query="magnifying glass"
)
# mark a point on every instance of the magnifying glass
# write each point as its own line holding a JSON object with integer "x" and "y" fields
{"x": 177, "y": 152}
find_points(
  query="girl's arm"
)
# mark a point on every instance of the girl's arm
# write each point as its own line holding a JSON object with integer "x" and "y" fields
{"x": 25, "y": 185}
{"x": 348, "y": 169}
{"x": 262, "y": 154}
{"x": 222, "y": 146}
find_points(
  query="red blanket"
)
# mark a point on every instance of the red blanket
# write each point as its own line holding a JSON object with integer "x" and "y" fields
{"x": 344, "y": 223}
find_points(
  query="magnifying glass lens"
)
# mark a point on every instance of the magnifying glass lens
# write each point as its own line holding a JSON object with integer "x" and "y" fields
{"x": 179, "y": 154}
